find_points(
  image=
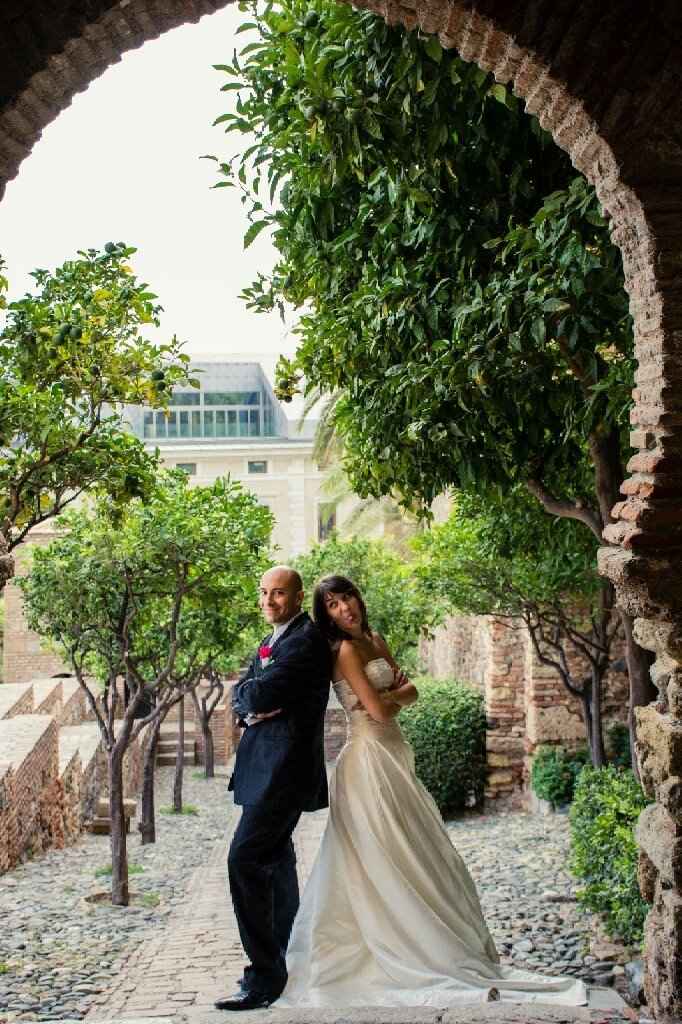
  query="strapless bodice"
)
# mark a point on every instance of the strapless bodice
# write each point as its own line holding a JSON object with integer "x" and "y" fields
{"x": 380, "y": 675}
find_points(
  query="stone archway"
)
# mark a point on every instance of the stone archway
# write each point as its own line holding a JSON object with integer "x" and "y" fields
{"x": 605, "y": 80}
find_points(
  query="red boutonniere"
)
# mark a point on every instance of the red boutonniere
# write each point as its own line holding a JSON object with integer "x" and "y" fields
{"x": 265, "y": 655}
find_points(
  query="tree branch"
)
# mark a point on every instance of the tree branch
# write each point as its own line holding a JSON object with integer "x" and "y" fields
{"x": 565, "y": 509}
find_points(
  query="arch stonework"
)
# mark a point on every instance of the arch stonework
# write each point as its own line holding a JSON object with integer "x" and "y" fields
{"x": 605, "y": 80}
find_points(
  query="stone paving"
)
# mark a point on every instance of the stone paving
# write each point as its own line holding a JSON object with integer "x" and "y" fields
{"x": 57, "y": 950}
{"x": 66, "y": 960}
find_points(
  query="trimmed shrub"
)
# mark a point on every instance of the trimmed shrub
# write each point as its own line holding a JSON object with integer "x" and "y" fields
{"x": 446, "y": 728}
{"x": 606, "y": 806}
{"x": 554, "y": 772}
{"x": 618, "y": 745}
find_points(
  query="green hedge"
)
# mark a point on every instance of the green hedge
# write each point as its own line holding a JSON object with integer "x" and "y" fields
{"x": 606, "y": 805}
{"x": 554, "y": 772}
{"x": 446, "y": 728}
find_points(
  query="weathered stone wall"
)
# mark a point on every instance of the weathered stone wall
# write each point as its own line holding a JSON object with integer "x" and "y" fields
{"x": 54, "y": 768}
{"x": 526, "y": 703}
{"x": 9, "y": 836}
{"x": 460, "y": 649}
{"x": 506, "y": 713}
{"x": 24, "y": 656}
{"x": 15, "y": 700}
{"x": 70, "y": 798}
{"x": 75, "y": 708}
{"x": 29, "y": 821}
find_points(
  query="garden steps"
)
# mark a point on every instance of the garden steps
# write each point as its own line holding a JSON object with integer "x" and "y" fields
{"x": 168, "y": 747}
{"x": 101, "y": 823}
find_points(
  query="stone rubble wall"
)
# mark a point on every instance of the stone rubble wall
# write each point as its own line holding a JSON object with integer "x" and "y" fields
{"x": 505, "y": 704}
{"x": 460, "y": 651}
{"x": 23, "y": 705}
{"x": 72, "y": 810}
{"x": 45, "y": 803}
{"x": 75, "y": 708}
{"x": 526, "y": 703}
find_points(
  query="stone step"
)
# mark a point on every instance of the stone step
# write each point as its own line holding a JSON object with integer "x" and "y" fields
{"x": 164, "y": 760}
{"x": 170, "y": 746}
{"x": 101, "y": 826}
{"x": 129, "y": 807}
{"x": 168, "y": 735}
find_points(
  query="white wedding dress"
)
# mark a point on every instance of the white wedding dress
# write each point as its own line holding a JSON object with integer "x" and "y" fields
{"x": 390, "y": 915}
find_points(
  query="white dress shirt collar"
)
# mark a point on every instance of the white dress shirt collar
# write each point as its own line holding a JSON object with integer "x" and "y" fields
{"x": 281, "y": 627}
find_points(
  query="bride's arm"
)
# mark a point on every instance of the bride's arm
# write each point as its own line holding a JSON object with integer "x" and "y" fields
{"x": 352, "y": 669}
{"x": 405, "y": 692}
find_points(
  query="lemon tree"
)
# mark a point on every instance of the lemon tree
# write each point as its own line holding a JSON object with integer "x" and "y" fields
{"x": 459, "y": 290}
{"x": 71, "y": 353}
{"x": 157, "y": 592}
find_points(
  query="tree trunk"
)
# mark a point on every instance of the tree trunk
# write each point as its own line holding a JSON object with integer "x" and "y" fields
{"x": 209, "y": 753}
{"x": 598, "y": 752}
{"x": 642, "y": 689}
{"x": 179, "y": 759}
{"x": 120, "y": 896}
{"x": 147, "y": 824}
{"x": 586, "y": 698}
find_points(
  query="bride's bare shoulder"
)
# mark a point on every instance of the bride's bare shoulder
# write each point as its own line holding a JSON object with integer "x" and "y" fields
{"x": 346, "y": 651}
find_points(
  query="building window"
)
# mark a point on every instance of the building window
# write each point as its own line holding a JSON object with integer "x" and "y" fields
{"x": 212, "y": 414}
{"x": 257, "y": 467}
{"x": 185, "y": 398}
{"x": 190, "y": 468}
{"x": 231, "y": 397}
{"x": 326, "y": 520}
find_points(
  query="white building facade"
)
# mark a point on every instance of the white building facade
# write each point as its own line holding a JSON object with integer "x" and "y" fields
{"x": 234, "y": 425}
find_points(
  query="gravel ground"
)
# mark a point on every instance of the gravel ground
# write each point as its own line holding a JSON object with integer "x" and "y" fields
{"x": 56, "y": 949}
{"x": 519, "y": 863}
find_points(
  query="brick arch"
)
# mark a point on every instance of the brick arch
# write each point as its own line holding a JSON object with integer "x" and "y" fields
{"x": 604, "y": 79}
{"x": 50, "y": 52}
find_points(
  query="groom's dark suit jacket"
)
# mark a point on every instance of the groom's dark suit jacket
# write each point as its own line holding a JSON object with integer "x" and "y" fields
{"x": 281, "y": 760}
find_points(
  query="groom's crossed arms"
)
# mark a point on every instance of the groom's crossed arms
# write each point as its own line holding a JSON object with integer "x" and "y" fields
{"x": 285, "y": 682}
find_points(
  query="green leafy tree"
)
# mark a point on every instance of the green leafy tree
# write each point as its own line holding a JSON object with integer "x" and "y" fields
{"x": 70, "y": 355}
{"x": 395, "y": 603}
{"x": 155, "y": 593}
{"x": 460, "y": 292}
{"x": 509, "y": 559}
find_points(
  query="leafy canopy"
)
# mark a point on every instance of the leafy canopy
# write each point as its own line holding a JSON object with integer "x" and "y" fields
{"x": 71, "y": 354}
{"x": 396, "y": 606}
{"x": 162, "y": 589}
{"x": 459, "y": 288}
{"x": 497, "y": 556}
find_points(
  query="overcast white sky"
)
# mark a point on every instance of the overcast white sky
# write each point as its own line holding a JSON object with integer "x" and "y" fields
{"x": 122, "y": 163}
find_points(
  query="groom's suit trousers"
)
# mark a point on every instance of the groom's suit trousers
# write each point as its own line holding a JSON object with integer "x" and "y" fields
{"x": 264, "y": 887}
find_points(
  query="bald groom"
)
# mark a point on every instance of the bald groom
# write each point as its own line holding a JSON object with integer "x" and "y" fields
{"x": 279, "y": 772}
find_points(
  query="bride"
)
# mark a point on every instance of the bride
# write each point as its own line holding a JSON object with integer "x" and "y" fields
{"x": 390, "y": 915}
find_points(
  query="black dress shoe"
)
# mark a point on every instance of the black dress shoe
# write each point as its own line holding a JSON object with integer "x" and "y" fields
{"x": 244, "y": 1000}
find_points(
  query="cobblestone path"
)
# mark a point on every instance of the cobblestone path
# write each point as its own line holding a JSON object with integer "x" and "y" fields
{"x": 167, "y": 964}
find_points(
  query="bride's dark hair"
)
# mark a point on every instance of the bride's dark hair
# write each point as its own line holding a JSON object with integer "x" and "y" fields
{"x": 344, "y": 587}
